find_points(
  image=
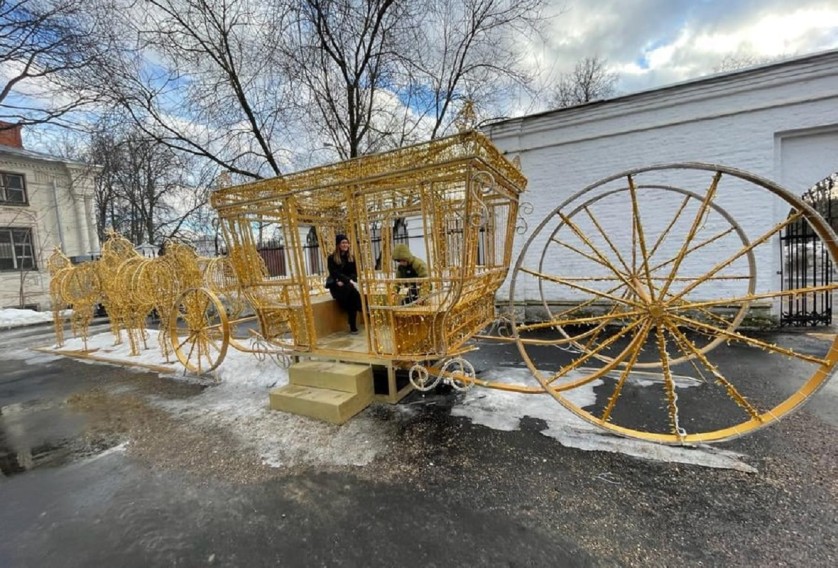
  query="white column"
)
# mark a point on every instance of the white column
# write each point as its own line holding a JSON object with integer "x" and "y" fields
{"x": 81, "y": 223}
{"x": 92, "y": 235}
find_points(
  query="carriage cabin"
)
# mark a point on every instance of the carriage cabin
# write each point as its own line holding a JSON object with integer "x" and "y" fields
{"x": 458, "y": 196}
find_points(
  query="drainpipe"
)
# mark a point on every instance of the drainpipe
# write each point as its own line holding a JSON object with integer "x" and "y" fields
{"x": 58, "y": 216}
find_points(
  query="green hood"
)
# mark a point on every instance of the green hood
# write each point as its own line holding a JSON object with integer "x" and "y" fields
{"x": 401, "y": 252}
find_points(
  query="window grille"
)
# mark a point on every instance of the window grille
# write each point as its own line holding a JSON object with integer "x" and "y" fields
{"x": 12, "y": 189}
{"x": 16, "y": 250}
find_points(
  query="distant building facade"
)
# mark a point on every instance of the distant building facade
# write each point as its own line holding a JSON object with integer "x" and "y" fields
{"x": 778, "y": 121}
{"x": 45, "y": 202}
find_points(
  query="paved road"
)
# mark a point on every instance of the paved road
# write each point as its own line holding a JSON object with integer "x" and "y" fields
{"x": 445, "y": 493}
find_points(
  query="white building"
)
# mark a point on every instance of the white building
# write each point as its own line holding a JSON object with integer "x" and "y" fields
{"x": 45, "y": 202}
{"x": 778, "y": 121}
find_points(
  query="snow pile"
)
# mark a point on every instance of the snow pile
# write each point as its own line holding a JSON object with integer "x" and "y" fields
{"x": 13, "y": 317}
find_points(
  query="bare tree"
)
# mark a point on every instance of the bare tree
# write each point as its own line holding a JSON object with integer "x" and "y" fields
{"x": 45, "y": 48}
{"x": 146, "y": 190}
{"x": 383, "y": 73}
{"x": 347, "y": 52}
{"x": 468, "y": 50}
{"x": 589, "y": 81}
{"x": 200, "y": 77}
{"x": 250, "y": 85}
{"x": 736, "y": 62}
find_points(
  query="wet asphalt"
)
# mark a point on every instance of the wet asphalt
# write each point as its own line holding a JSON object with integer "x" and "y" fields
{"x": 449, "y": 493}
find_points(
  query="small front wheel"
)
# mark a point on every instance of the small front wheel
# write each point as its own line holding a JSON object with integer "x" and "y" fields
{"x": 199, "y": 330}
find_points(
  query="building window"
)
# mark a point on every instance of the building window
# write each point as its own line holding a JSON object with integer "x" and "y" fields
{"x": 16, "y": 250}
{"x": 12, "y": 189}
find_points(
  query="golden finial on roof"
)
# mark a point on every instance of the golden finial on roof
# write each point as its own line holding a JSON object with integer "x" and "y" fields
{"x": 466, "y": 119}
{"x": 223, "y": 180}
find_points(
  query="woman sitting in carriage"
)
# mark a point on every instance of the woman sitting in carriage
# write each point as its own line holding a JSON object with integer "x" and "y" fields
{"x": 343, "y": 280}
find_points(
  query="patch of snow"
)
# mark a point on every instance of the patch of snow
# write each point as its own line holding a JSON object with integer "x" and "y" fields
{"x": 14, "y": 317}
{"x": 503, "y": 410}
{"x": 239, "y": 403}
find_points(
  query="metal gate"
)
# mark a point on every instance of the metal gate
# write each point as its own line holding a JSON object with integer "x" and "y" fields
{"x": 804, "y": 262}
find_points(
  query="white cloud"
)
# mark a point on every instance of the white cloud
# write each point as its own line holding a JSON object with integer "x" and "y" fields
{"x": 776, "y": 34}
{"x": 652, "y": 43}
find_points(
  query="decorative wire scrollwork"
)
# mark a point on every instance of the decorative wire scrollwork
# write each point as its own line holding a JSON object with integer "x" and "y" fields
{"x": 502, "y": 326}
{"x": 458, "y": 373}
{"x": 421, "y": 379}
{"x": 481, "y": 217}
{"x": 524, "y": 208}
{"x": 262, "y": 349}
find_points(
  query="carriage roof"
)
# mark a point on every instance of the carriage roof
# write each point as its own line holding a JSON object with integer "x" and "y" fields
{"x": 450, "y": 159}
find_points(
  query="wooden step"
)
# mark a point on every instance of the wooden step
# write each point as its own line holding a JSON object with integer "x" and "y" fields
{"x": 324, "y": 404}
{"x": 344, "y": 377}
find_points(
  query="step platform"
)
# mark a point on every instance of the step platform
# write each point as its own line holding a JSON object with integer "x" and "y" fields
{"x": 329, "y": 391}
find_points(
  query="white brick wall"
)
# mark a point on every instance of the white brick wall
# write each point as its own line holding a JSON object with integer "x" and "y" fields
{"x": 737, "y": 120}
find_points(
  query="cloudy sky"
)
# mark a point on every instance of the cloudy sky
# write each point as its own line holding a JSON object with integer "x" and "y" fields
{"x": 651, "y": 43}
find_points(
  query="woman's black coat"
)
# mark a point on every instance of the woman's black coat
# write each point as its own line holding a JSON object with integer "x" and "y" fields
{"x": 346, "y": 295}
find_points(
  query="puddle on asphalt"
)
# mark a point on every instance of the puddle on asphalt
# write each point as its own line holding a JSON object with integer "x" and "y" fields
{"x": 33, "y": 436}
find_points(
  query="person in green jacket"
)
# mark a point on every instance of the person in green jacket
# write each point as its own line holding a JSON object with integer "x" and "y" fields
{"x": 410, "y": 267}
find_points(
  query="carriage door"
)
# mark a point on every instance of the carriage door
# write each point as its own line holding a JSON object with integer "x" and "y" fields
{"x": 804, "y": 262}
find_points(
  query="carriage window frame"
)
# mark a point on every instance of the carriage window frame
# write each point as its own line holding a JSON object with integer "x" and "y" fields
{"x": 17, "y": 251}
{"x": 13, "y": 184}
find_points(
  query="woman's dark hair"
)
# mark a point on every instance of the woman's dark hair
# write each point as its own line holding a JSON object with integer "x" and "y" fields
{"x": 336, "y": 255}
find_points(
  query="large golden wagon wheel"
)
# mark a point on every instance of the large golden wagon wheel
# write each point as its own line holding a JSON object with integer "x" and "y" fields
{"x": 644, "y": 285}
{"x": 199, "y": 330}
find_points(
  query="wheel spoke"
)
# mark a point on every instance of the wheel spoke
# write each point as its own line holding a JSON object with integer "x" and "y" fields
{"x": 597, "y": 331}
{"x": 214, "y": 342}
{"x": 191, "y": 350}
{"x": 590, "y": 354}
{"x": 587, "y": 303}
{"x": 694, "y": 324}
{"x": 603, "y": 260}
{"x": 604, "y": 235}
{"x": 209, "y": 350}
{"x": 199, "y": 341}
{"x": 688, "y": 346}
{"x": 580, "y": 252}
{"x": 669, "y": 385}
{"x": 702, "y": 244}
{"x": 697, "y": 222}
{"x": 605, "y": 318}
{"x": 640, "y": 339}
{"x": 714, "y": 316}
{"x": 668, "y": 228}
{"x": 745, "y": 250}
{"x": 641, "y": 237}
{"x": 188, "y": 338}
{"x": 594, "y": 279}
{"x": 558, "y": 280}
{"x": 712, "y": 278}
{"x": 684, "y": 305}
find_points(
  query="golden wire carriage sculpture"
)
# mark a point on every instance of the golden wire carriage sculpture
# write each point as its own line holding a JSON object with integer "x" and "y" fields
{"x": 459, "y": 190}
{"x": 643, "y": 278}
